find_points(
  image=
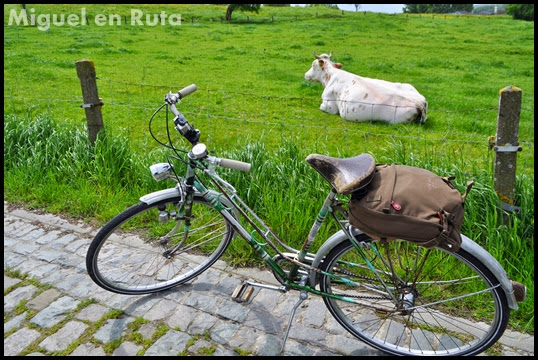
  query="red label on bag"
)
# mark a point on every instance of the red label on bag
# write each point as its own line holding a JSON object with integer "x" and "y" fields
{"x": 396, "y": 206}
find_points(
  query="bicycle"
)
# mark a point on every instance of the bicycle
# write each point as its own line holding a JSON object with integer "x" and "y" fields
{"x": 395, "y": 296}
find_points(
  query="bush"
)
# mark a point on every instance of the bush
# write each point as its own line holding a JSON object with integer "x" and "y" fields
{"x": 521, "y": 11}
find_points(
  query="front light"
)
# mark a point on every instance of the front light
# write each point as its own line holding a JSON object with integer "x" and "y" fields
{"x": 161, "y": 171}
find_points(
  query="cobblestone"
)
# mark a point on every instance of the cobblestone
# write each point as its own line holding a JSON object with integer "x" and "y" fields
{"x": 55, "y": 312}
{"x": 170, "y": 344}
{"x": 113, "y": 329}
{"x": 64, "y": 337}
{"x": 61, "y": 305}
{"x": 16, "y": 296}
{"x": 44, "y": 299}
{"x": 127, "y": 349}
{"x": 16, "y": 342}
{"x": 92, "y": 313}
{"x": 88, "y": 349}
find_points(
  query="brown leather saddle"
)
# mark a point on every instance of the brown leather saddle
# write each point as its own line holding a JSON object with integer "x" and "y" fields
{"x": 345, "y": 175}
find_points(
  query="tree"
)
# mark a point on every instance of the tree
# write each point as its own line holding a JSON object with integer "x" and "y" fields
{"x": 521, "y": 11}
{"x": 328, "y": 6}
{"x": 357, "y": 7}
{"x": 436, "y": 8}
{"x": 243, "y": 7}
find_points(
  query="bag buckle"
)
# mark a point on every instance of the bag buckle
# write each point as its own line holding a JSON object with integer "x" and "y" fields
{"x": 444, "y": 236}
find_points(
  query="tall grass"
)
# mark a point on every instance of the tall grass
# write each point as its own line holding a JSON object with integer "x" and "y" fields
{"x": 54, "y": 167}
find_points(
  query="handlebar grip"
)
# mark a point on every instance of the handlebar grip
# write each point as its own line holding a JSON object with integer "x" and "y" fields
{"x": 187, "y": 91}
{"x": 235, "y": 165}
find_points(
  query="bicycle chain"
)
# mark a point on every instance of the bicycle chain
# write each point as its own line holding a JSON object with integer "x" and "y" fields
{"x": 366, "y": 297}
{"x": 362, "y": 277}
{"x": 345, "y": 272}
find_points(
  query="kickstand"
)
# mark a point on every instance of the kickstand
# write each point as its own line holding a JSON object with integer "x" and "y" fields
{"x": 302, "y": 297}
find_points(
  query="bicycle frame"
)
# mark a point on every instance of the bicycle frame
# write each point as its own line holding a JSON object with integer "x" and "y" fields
{"x": 235, "y": 205}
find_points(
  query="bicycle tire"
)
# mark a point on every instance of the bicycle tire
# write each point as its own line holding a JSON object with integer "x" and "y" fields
{"x": 127, "y": 257}
{"x": 456, "y": 306}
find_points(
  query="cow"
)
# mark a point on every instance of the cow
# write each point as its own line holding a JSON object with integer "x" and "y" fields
{"x": 358, "y": 98}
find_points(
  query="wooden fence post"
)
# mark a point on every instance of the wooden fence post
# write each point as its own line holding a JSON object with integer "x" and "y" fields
{"x": 506, "y": 146}
{"x": 92, "y": 102}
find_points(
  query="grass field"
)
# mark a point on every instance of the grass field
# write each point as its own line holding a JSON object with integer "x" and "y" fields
{"x": 252, "y": 73}
{"x": 254, "y": 104}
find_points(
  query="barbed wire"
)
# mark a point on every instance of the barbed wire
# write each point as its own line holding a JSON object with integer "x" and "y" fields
{"x": 76, "y": 83}
{"x": 77, "y": 100}
{"x": 291, "y": 114}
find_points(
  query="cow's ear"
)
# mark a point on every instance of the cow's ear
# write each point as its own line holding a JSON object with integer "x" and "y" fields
{"x": 337, "y": 65}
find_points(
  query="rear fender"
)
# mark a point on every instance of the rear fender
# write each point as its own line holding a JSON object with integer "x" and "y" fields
{"x": 467, "y": 244}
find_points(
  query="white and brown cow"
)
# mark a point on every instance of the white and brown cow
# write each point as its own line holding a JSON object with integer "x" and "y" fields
{"x": 360, "y": 98}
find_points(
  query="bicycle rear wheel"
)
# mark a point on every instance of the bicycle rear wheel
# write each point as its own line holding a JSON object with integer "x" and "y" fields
{"x": 417, "y": 301}
{"x": 147, "y": 248}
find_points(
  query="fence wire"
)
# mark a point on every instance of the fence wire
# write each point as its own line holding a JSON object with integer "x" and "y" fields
{"x": 237, "y": 117}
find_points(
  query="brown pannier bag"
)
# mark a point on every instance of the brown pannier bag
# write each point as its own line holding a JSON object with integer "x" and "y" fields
{"x": 410, "y": 203}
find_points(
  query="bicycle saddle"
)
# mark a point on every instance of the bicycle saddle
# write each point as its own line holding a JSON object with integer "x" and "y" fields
{"x": 345, "y": 175}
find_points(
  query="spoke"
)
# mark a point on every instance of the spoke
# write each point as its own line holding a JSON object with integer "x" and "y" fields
{"x": 200, "y": 243}
{"x": 454, "y": 298}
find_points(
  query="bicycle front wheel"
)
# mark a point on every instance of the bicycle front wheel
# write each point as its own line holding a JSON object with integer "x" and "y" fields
{"x": 149, "y": 248}
{"x": 407, "y": 300}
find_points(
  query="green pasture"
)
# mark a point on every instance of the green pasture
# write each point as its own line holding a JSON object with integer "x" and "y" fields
{"x": 253, "y": 104}
{"x": 251, "y": 74}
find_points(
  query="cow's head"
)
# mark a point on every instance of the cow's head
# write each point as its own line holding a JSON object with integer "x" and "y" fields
{"x": 320, "y": 66}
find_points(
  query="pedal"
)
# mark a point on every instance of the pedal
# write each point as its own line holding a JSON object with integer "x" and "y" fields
{"x": 242, "y": 293}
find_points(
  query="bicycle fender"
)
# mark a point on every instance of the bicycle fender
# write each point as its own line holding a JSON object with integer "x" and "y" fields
{"x": 327, "y": 246}
{"x": 161, "y": 195}
{"x": 467, "y": 244}
{"x": 493, "y": 265}
{"x": 157, "y": 196}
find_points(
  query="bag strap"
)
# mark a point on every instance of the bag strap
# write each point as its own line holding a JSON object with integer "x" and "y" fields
{"x": 449, "y": 179}
{"x": 391, "y": 172}
{"x": 469, "y": 186}
{"x": 445, "y": 219}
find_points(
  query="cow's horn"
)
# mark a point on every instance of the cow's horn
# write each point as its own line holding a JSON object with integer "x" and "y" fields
{"x": 331, "y": 54}
{"x": 316, "y": 55}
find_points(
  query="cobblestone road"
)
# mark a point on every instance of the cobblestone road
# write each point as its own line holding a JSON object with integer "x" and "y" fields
{"x": 51, "y": 307}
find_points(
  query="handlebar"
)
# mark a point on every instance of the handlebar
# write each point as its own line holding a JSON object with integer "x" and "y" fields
{"x": 235, "y": 165}
{"x": 182, "y": 125}
{"x": 191, "y": 134}
{"x": 186, "y": 91}
{"x": 173, "y": 99}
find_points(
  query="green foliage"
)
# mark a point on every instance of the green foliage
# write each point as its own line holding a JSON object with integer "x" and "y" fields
{"x": 521, "y": 11}
{"x": 58, "y": 163}
{"x": 241, "y": 7}
{"x": 436, "y": 8}
{"x": 328, "y": 6}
